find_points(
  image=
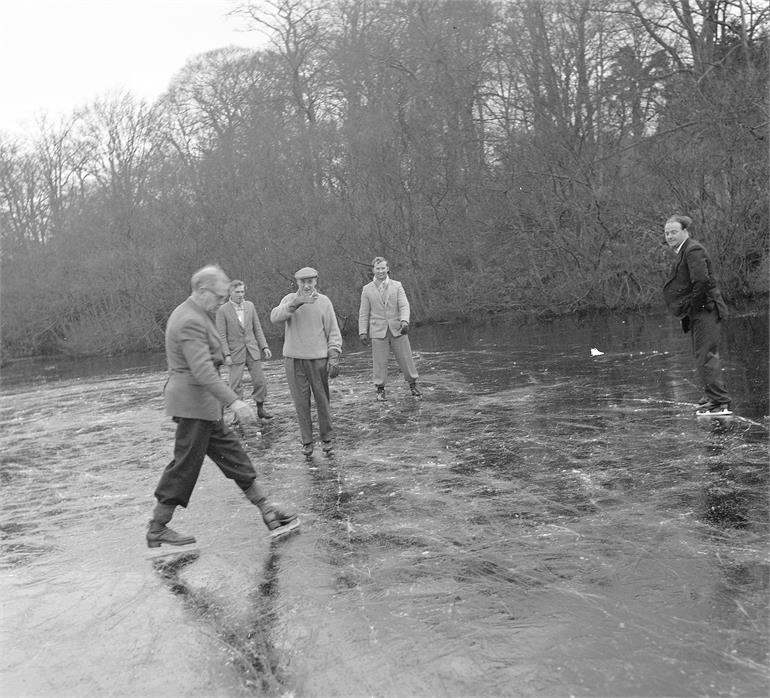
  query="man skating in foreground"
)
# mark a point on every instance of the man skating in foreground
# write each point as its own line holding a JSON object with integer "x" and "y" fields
{"x": 195, "y": 396}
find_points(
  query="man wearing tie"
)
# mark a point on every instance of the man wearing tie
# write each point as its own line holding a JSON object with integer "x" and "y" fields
{"x": 692, "y": 295}
{"x": 244, "y": 344}
{"x": 383, "y": 319}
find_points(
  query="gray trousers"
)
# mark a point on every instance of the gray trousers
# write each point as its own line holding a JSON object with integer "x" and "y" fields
{"x": 403, "y": 351}
{"x": 306, "y": 376}
{"x": 705, "y": 330}
{"x": 258, "y": 382}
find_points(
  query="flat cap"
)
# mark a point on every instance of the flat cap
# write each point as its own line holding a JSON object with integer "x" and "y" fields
{"x": 306, "y": 273}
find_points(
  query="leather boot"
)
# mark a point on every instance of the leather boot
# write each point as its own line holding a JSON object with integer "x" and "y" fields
{"x": 277, "y": 521}
{"x": 261, "y": 411}
{"x": 157, "y": 531}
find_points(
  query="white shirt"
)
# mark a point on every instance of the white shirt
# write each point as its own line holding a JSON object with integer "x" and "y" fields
{"x": 239, "y": 311}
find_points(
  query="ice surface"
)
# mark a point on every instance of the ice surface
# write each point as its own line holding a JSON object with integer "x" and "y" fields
{"x": 540, "y": 524}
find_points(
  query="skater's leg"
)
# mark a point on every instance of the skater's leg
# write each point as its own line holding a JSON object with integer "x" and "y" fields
{"x": 180, "y": 475}
{"x": 403, "y": 351}
{"x": 299, "y": 387}
{"x": 319, "y": 385}
{"x": 380, "y": 353}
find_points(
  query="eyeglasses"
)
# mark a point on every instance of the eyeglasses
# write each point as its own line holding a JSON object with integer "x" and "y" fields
{"x": 220, "y": 297}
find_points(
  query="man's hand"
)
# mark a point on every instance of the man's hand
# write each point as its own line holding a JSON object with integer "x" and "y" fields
{"x": 333, "y": 364}
{"x": 267, "y": 353}
{"x": 228, "y": 360}
{"x": 300, "y": 299}
{"x": 404, "y": 327}
{"x": 364, "y": 339}
{"x": 243, "y": 411}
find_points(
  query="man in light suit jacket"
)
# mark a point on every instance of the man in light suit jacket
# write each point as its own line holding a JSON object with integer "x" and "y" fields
{"x": 244, "y": 344}
{"x": 692, "y": 295}
{"x": 383, "y": 320}
{"x": 195, "y": 396}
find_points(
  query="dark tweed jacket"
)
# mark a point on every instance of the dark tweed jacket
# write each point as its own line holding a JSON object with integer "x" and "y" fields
{"x": 692, "y": 287}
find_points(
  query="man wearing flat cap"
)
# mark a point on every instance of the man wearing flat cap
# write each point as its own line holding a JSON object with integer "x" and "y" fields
{"x": 311, "y": 349}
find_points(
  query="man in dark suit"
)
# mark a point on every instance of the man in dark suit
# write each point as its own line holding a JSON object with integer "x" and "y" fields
{"x": 244, "y": 344}
{"x": 692, "y": 295}
{"x": 195, "y": 396}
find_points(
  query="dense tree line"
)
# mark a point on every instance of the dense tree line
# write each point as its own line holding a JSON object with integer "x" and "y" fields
{"x": 518, "y": 155}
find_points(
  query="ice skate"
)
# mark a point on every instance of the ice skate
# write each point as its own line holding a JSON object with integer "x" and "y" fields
{"x": 278, "y": 522}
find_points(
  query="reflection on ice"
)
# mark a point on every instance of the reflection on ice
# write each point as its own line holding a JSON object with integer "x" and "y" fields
{"x": 543, "y": 522}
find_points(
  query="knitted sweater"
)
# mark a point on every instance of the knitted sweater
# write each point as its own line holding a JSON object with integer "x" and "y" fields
{"x": 310, "y": 331}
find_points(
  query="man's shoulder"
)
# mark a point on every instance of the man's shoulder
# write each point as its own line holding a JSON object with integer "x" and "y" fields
{"x": 694, "y": 251}
{"x": 186, "y": 307}
{"x": 185, "y": 314}
{"x": 692, "y": 245}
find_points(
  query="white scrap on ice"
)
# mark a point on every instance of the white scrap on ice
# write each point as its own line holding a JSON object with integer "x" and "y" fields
{"x": 596, "y": 352}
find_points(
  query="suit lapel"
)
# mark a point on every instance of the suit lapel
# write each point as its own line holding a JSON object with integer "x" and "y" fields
{"x": 680, "y": 258}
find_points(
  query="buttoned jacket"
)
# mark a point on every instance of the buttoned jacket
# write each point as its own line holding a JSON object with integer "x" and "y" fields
{"x": 194, "y": 388}
{"x": 691, "y": 286}
{"x": 237, "y": 338}
{"x": 376, "y": 315}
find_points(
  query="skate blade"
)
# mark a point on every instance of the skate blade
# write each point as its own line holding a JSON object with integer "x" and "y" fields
{"x": 283, "y": 530}
{"x": 173, "y": 551}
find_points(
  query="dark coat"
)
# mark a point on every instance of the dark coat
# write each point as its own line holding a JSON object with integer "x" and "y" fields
{"x": 692, "y": 286}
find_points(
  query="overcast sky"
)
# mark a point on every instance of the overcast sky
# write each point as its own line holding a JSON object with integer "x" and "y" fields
{"x": 56, "y": 55}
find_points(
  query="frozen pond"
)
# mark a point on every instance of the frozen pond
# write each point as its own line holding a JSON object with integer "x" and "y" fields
{"x": 543, "y": 523}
